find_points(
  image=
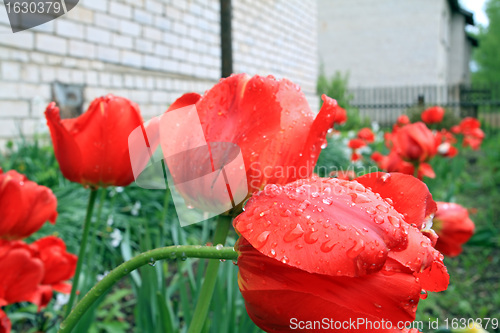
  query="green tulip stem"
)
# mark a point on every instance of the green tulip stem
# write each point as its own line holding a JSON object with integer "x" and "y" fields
{"x": 83, "y": 246}
{"x": 207, "y": 288}
{"x": 145, "y": 258}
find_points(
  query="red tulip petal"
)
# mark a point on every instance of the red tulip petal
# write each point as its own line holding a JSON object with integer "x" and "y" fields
{"x": 424, "y": 261}
{"x": 326, "y": 226}
{"x": 62, "y": 287}
{"x": 24, "y": 205}
{"x": 59, "y": 264}
{"x": 5, "y": 324}
{"x": 317, "y": 134}
{"x": 275, "y": 292}
{"x": 21, "y": 275}
{"x": 185, "y": 100}
{"x": 65, "y": 147}
{"x": 409, "y": 196}
{"x": 425, "y": 170}
{"x": 42, "y": 296}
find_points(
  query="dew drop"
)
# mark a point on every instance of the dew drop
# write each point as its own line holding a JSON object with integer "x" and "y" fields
{"x": 219, "y": 247}
{"x": 371, "y": 210}
{"x": 262, "y": 239}
{"x": 383, "y": 208}
{"x": 354, "y": 251}
{"x": 293, "y": 234}
{"x": 286, "y": 213}
{"x": 378, "y": 219}
{"x": 327, "y": 201}
{"x": 311, "y": 236}
{"x": 341, "y": 227}
{"x": 423, "y": 294}
{"x": 394, "y": 221}
{"x": 385, "y": 177}
{"x": 328, "y": 246}
{"x": 360, "y": 198}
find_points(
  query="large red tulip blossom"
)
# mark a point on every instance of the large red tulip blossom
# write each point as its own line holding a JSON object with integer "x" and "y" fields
{"x": 345, "y": 250}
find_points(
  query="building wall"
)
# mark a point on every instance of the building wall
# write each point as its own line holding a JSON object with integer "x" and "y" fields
{"x": 150, "y": 51}
{"x": 386, "y": 42}
{"x": 460, "y": 52}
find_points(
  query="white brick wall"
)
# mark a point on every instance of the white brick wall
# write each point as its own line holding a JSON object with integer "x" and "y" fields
{"x": 150, "y": 51}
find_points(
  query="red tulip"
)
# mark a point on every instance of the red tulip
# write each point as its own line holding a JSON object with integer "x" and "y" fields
{"x": 470, "y": 128}
{"x": 473, "y": 138}
{"x": 356, "y": 143}
{"x": 328, "y": 248}
{"x": 5, "y": 324}
{"x": 24, "y": 206}
{"x": 454, "y": 228}
{"x": 415, "y": 142}
{"x": 21, "y": 274}
{"x": 366, "y": 135}
{"x": 468, "y": 124}
{"x": 403, "y": 120}
{"x": 93, "y": 148}
{"x": 433, "y": 115}
{"x": 59, "y": 265}
{"x": 268, "y": 119}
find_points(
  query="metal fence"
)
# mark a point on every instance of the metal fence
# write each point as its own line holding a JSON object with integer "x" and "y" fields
{"x": 386, "y": 104}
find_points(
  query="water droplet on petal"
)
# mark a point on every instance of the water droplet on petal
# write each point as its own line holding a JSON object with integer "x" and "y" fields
{"x": 385, "y": 177}
{"x": 293, "y": 234}
{"x": 262, "y": 239}
{"x": 311, "y": 236}
{"x": 378, "y": 219}
{"x": 395, "y": 221}
{"x": 371, "y": 210}
{"x": 383, "y": 208}
{"x": 286, "y": 213}
{"x": 357, "y": 248}
{"x": 328, "y": 246}
{"x": 341, "y": 227}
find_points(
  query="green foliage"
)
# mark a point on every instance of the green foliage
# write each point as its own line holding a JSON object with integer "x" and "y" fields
{"x": 486, "y": 55}
{"x": 337, "y": 88}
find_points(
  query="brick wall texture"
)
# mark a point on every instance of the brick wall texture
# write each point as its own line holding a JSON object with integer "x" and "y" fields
{"x": 150, "y": 51}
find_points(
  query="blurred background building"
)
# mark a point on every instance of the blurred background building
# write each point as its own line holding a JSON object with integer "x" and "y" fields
{"x": 390, "y": 43}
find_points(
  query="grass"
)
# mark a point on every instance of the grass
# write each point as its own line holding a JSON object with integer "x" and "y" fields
{"x": 167, "y": 291}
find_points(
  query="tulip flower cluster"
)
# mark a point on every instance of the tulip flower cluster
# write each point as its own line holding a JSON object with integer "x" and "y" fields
{"x": 413, "y": 146}
{"x": 309, "y": 248}
{"x": 29, "y": 272}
